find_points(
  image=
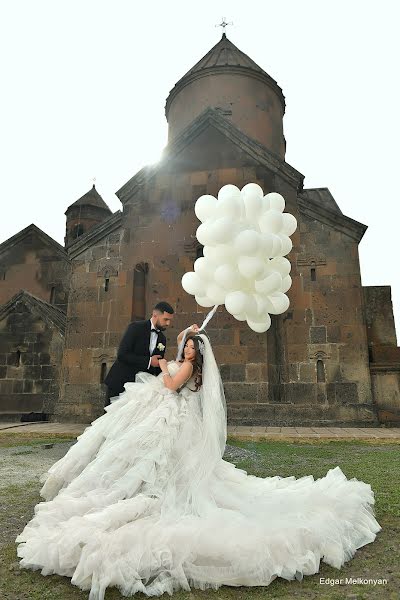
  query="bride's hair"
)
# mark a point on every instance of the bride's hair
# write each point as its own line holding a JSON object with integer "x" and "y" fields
{"x": 198, "y": 359}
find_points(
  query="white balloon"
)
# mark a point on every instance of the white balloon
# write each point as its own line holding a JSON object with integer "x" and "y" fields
{"x": 252, "y": 189}
{"x": 222, "y": 230}
{"x": 252, "y": 205}
{"x": 229, "y": 207}
{"x": 270, "y": 221}
{"x": 250, "y": 266}
{"x": 228, "y": 191}
{"x": 235, "y": 302}
{"x": 216, "y": 293}
{"x": 204, "y": 269}
{"x": 281, "y": 265}
{"x": 289, "y": 224}
{"x": 265, "y": 204}
{"x": 192, "y": 284}
{"x": 262, "y": 307}
{"x": 220, "y": 254}
{"x": 247, "y": 242}
{"x": 240, "y": 317}
{"x": 269, "y": 285}
{"x": 204, "y": 234}
{"x": 276, "y": 247}
{"x": 228, "y": 277}
{"x": 204, "y": 207}
{"x": 279, "y": 301}
{"x": 204, "y": 301}
{"x": 266, "y": 244}
{"x": 251, "y": 307}
{"x": 275, "y": 201}
{"x": 259, "y": 327}
{"x": 287, "y": 244}
{"x": 266, "y": 270}
{"x": 286, "y": 284}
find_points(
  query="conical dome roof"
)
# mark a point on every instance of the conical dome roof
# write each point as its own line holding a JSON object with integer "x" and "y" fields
{"x": 91, "y": 198}
{"x": 224, "y": 56}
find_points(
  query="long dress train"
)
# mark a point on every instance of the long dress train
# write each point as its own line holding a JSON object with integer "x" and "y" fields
{"x": 137, "y": 504}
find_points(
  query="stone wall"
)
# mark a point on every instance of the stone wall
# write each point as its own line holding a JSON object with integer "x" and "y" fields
{"x": 34, "y": 264}
{"x": 98, "y": 312}
{"x": 311, "y": 367}
{"x": 30, "y": 359}
{"x": 383, "y": 352}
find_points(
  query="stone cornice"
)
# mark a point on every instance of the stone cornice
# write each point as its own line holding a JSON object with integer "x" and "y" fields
{"x": 382, "y": 367}
{"x": 340, "y": 222}
{"x": 93, "y": 235}
{"x": 210, "y": 116}
{"x": 52, "y": 315}
{"x": 33, "y": 229}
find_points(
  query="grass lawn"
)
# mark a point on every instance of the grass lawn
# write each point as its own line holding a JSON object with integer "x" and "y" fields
{"x": 374, "y": 463}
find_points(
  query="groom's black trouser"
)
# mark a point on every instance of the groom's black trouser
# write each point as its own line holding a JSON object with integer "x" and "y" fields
{"x": 110, "y": 394}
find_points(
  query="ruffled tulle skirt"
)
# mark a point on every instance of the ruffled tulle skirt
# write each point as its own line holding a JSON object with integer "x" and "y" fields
{"x": 121, "y": 509}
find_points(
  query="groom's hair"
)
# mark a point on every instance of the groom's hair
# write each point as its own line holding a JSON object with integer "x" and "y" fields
{"x": 164, "y": 307}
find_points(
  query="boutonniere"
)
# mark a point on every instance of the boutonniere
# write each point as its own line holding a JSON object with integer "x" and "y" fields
{"x": 160, "y": 347}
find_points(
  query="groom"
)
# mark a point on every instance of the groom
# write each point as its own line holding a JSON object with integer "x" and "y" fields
{"x": 141, "y": 347}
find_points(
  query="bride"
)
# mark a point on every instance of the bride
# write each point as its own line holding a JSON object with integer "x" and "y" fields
{"x": 144, "y": 501}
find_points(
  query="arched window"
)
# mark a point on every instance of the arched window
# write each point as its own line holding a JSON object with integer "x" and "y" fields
{"x": 52, "y": 294}
{"x": 320, "y": 371}
{"x": 313, "y": 272}
{"x": 139, "y": 291}
{"x": 103, "y": 370}
{"x": 18, "y": 358}
{"x": 77, "y": 231}
{"x": 106, "y": 284}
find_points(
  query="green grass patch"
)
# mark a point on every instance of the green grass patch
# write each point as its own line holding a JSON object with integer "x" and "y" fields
{"x": 9, "y": 440}
{"x": 375, "y": 464}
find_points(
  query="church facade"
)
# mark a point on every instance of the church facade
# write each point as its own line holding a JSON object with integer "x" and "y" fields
{"x": 331, "y": 359}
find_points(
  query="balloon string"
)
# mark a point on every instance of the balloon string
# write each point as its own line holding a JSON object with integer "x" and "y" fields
{"x": 209, "y": 317}
{"x": 205, "y": 322}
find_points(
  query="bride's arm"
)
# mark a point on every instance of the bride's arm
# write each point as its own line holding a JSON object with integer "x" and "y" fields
{"x": 194, "y": 328}
{"x": 184, "y": 373}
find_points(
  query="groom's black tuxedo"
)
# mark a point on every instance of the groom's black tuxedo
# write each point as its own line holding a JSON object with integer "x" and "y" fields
{"x": 133, "y": 356}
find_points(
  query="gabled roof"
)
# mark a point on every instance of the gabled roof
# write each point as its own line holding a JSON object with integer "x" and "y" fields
{"x": 320, "y": 205}
{"x": 53, "y": 316}
{"x": 323, "y": 197}
{"x": 95, "y": 234}
{"x": 91, "y": 198}
{"x": 223, "y": 57}
{"x": 211, "y": 118}
{"x": 35, "y": 231}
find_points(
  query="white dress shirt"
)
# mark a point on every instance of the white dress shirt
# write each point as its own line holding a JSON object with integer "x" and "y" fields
{"x": 153, "y": 341}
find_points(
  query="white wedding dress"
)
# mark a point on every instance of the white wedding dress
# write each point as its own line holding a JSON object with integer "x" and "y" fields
{"x": 144, "y": 501}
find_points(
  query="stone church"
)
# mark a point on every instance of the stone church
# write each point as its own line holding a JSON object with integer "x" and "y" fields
{"x": 331, "y": 359}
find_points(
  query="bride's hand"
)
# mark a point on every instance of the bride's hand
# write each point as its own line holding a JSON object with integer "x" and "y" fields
{"x": 194, "y": 328}
{"x": 163, "y": 364}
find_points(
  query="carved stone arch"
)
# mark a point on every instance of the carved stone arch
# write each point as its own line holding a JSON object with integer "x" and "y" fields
{"x": 107, "y": 271}
{"x": 101, "y": 356}
{"x": 319, "y": 355}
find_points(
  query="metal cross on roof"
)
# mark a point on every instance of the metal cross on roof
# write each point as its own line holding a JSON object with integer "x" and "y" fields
{"x": 224, "y": 23}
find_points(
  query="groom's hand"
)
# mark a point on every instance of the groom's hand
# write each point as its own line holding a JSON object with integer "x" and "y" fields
{"x": 154, "y": 360}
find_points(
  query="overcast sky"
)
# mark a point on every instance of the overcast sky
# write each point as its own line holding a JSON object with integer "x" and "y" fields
{"x": 84, "y": 84}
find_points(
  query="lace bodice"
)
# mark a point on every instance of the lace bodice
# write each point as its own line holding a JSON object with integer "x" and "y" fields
{"x": 173, "y": 368}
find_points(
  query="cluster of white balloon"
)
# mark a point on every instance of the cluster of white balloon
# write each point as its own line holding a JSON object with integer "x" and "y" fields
{"x": 245, "y": 237}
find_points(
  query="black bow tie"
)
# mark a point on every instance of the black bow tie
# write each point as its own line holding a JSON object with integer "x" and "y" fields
{"x": 156, "y": 330}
